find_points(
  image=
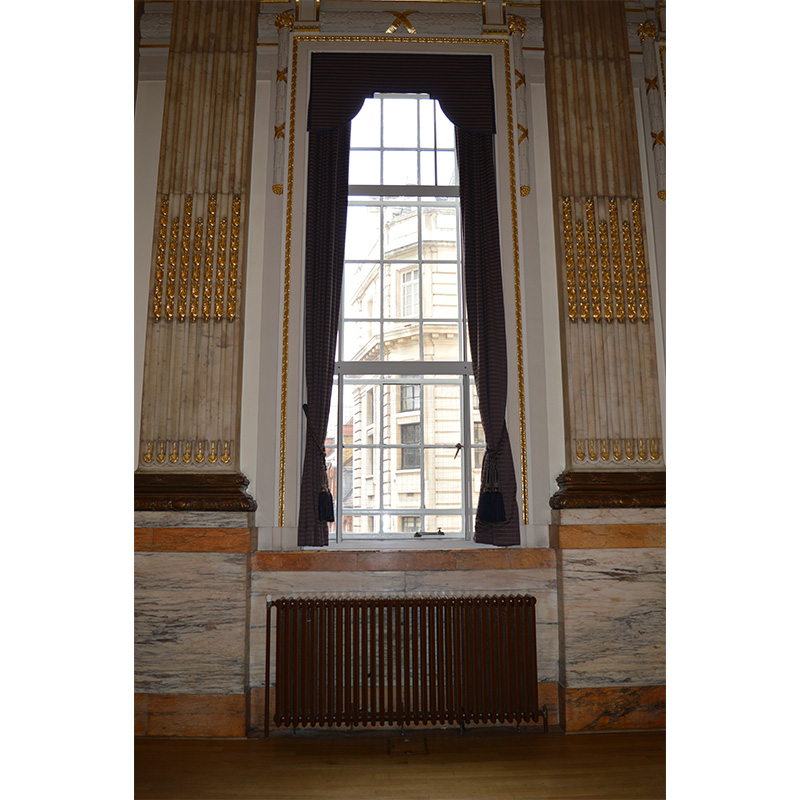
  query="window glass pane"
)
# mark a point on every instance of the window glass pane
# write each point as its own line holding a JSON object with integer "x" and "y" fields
{"x": 400, "y": 123}
{"x": 363, "y": 233}
{"x": 401, "y": 341}
{"x": 365, "y": 129}
{"x": 366, "y": 478}
{"x": 446, "y": 168}
{"x": 360, "y": 341}
{"x": 445, "y": 132}
{"x": 361, "y": 290}
{"x": 401, "y": 232}
{"x": 442, "y": 479}
{"x": 442, "y": 403}
{"x": 402, "y": 484}
{"x": 364, "y": 168}
{"x": 400, "y": 167}
{"x": 440, "y": 341}
{"x": 427, "y": 168}
{"x": 439, "y": 233}
{"x": 426, "y": 112}
{"x": 440, "y": 291}
{"x": 363, "y": 398}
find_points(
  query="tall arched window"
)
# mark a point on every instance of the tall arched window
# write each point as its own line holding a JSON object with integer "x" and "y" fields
{"x": 463, "y": 86}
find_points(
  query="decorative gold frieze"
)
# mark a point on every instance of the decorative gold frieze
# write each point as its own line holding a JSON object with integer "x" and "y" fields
{"x": 607, "y": 449}
{"x": 161, "y": 246}
{"x": 605, "y": 267}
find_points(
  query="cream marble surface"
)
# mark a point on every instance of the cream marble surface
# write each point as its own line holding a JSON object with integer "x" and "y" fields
{"x": 614, "y": 621}
{"x": 190, "y": 623}
{"x": 193, "y": 519}
{"x": 608, "y": 516}
{"x": 539, "y": 582}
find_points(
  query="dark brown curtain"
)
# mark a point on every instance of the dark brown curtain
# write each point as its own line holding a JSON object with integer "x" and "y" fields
{"x": 463, "y": 86}
{"x": 326, "y": 221}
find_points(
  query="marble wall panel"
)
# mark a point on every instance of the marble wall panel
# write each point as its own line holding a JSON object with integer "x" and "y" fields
{"x": 613, "y": 624}
{"x": 608, "y": 516}
{"x": 193, "y": 519}
{"x": 190, "y": 623}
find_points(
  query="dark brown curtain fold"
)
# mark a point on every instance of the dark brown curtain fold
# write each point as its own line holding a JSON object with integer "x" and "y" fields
{"x": 463, "y": 86}
{"x": 483, "y": 290}
{"x": 326, "y": 222}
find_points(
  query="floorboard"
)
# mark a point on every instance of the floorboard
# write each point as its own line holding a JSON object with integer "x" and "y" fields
{"x": 429, "y": 765}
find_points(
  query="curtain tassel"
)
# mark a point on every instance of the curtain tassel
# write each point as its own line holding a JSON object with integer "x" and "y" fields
{"x": 325, "y": 499}
{"x": 490, "y": 502}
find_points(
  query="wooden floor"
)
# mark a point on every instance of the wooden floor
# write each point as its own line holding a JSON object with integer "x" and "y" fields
{"x": 429, "y": 765}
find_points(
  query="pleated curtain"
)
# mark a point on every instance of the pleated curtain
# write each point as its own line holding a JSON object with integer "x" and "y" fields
{"x": 463, "y": 86}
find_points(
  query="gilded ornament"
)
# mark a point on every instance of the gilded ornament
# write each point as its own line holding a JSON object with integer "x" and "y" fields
{"x": 187, "y": 456}
{"x": 212, "y": 456}
{"x": 233, "y": 269}
{"x": 652, "y": 83}
{"x": 148, "y": 456}
{"x": 225, "y": 457}
{"x": 616, "y": 258}
{"x": 520, "y": 79}
{"x": 173, "y": 456}
{"x": 580, "y": 455}
{"x": 647, "y": 30}
{"x": 523, "y": 135}
{"x": 183, "y": 287}
{"x": 196, "y": 263}
{"x": 583, "y": 278}
{"x": 280, "y": 75}
{"x": 162, "y": 456}
{"x": 630, "y": 284}
{"x": 401, "y": 19}
{"x": 517, "y": 25}
{"x": 284, "y": 20}
{"x": 605, "y": 266}
{"x": 279, "y": 130}
{"x": 594, "y": 275}
{"x": 199, "y": 457}
{"x": 658, "y": 138}
{"x": 641, "y": 266}
{"x": 160, "y": 251}
{"x": 569, "y": 255}
{"x": 524, "y": 190}
{"x": 208, "y": 278}
{"x": 642, "y": 450}
{"x": 172, "y": 263}
{"x": 219, "y": 288}
{"x": 617, "y": 451}
{"x": 277, "y": 188}
{"x": 654, "y": 449}
{"x": 592, "y": 451}
{"x": 662, "y": 195}
{"x": 629, "y": 454}
{"x": 604, "y": 450}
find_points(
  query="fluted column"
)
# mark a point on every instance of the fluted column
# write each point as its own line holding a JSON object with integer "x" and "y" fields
{"x": 189, "y": 449}
{"x": 612, "y": 412}
{"x": 284, "y": 23}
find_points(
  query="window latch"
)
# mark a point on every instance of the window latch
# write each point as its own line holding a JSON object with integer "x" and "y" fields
{"x": 458, "y": 450}
{"x": 438, "y": 532}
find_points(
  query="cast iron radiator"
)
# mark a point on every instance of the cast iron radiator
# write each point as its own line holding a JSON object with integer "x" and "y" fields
{"x": 404, "y": 661}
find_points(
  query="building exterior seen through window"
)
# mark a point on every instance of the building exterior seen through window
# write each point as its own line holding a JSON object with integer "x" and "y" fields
{"x": 404, "y": 441}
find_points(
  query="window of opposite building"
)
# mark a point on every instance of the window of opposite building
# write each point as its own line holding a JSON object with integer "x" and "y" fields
{"x": 403, "y": 413}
